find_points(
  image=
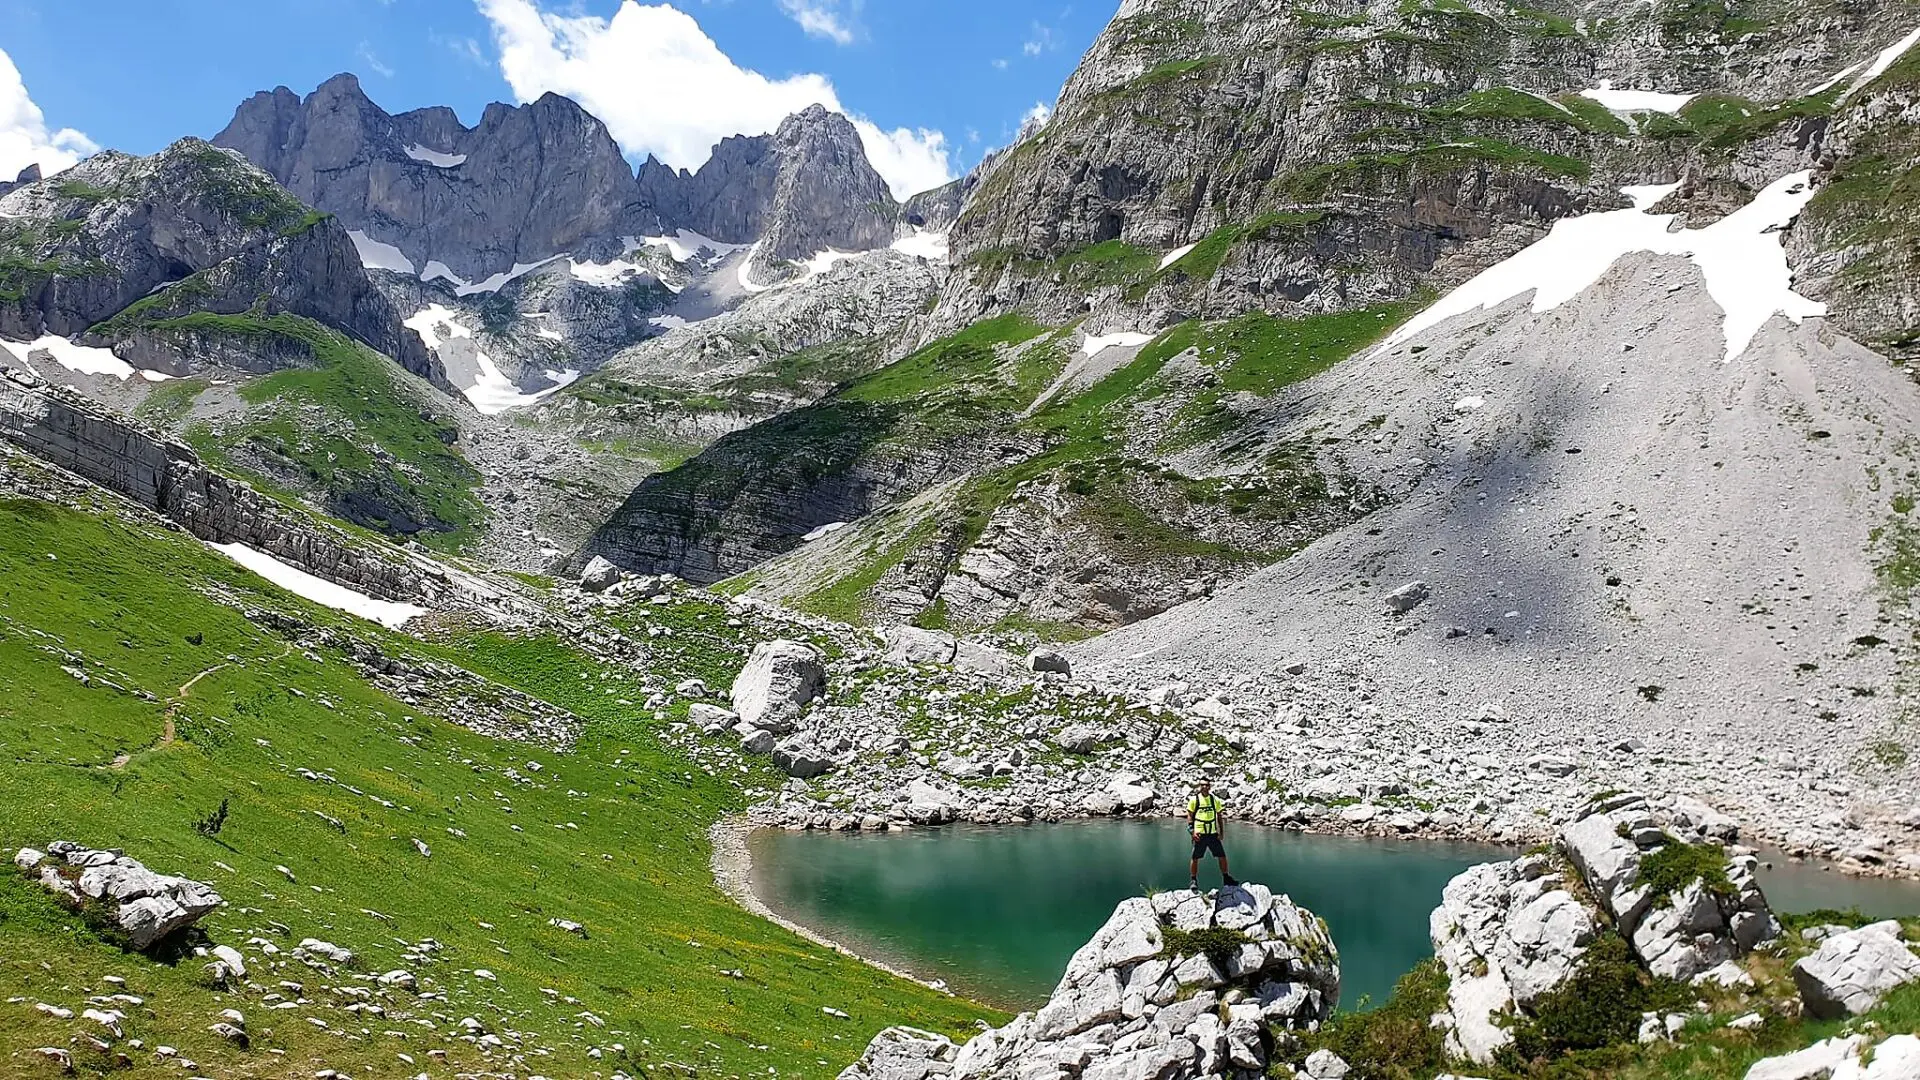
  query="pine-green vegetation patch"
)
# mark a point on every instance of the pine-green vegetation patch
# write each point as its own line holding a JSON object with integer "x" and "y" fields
{"x": 1395, "y": 1040}
{"x": 1599, "y": 1007}
{"x": 1216, "y": 943}
{"x": 1162, "y": 74}
{"x": 1675, "y": 865}
{"x": 246, "y": 194}
{"x": 347, "y": 429}
{"x": 1200, "y": 264}
{"x": 33, "y": 253}
{"x": 846, "y": 597}
{"x": 188, "y": 706}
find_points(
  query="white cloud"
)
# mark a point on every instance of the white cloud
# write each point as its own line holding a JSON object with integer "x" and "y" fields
{"x": 819, "y": 18}
{"x": 24, "y": 138}
{"x": 1039, "y": 114}
{"x": 1000, "y": 62}
{"x": 1041, "y": 40}
{"x": 368, "y": 57}
{"x": 663, "y": 87}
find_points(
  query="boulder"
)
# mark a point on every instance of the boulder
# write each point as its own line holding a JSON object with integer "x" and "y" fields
{"x": 1824, "y": 1060}
{"x": 1096, "y": 1025}
{"x": 904, "y": 1053}
{"x": 912, "y": 645}
{"x": 1049, "y": 662}
{"x": 1405, "y": 598}
{"x": 985, "y": 659}
{"x": 1078, "y": 739}
{"x": 599, "y": 575}
{"x": 1850, "y": 973}
{"x": 800, "y": 759}
{"x": 146, "y": 906}
{"x": 1506, "y": 933}
{"x": 1325, "y": 1065}
{"x": 711, "y": 719}
{"x": 779, "y": 679}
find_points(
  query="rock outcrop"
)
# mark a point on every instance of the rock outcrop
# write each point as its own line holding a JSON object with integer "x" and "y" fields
{"x": 145, "y": 906}
{"x": 804, "y": 189}
{"x": 1506, "y": 933}
{"x": 119, "y": 249}
{"x": 1851, "y": 972}
{"x": 1509, "y": 933}
{"x": 1180, "y": 985}
{"x": 1710, "y": 912}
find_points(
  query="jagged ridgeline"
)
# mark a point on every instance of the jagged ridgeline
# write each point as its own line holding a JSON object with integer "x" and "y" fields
{"x": 1258, "y": 192}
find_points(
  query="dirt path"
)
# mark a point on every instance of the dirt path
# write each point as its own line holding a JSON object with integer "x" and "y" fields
{"x": 168, "y": 730}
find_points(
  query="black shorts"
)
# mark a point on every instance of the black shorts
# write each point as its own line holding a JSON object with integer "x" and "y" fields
{"x": 1205, "y": 842}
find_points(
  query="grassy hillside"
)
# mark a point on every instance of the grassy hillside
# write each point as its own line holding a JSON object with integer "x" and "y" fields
{"x": 343, "y": 431}
{"x": 136, "y": 698}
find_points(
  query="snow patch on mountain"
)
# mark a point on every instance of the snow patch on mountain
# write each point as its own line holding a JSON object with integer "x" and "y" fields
{"x": 1629, "y": 101}
{"x": 1176, "y": 255}
{"x": 1099, "y": 343}
{"x": 495, "y": 282}
{"x": 493, "y": 393}
{"x": 686, "y": 245}
{"x": 923, "y": 244}
{"x": 80, "y": 359}
{"x": 319, "y": 590}
{"x": 376, "y": 255}
{"x": 1740, "y": 256}
{"x": 1884, "y": 61}
{"x": 435, "y": 157}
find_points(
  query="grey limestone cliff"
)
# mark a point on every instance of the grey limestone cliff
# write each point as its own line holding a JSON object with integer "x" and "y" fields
{"x": 525, "y": 183}
{"x": 799, "y": 191}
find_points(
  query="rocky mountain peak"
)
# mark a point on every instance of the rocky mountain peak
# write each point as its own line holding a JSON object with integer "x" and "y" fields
{"x": 528, "y": 182}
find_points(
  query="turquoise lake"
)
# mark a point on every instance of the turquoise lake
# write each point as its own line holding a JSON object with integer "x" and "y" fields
{"x": 996, "y": 911}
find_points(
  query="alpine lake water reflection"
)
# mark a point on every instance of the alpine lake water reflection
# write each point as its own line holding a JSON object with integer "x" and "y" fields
{"x": 995, "y": 911}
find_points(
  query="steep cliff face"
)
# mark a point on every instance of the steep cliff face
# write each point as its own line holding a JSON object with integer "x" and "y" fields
{"x": 1327, "y": 156}
{"x": 118, "y": 243}
{"x": 524, "y": 184}
{"x": 534, "y": 181}
{"x": 804, "y": 189}
{"x": 68, "y": 431}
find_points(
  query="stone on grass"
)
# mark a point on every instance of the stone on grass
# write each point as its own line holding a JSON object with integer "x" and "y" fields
{"x": 779, "y": 679}
{"x": 1851, "y": 972}
{"x": 912, "y": 645}
{"x": 146, "y": 906}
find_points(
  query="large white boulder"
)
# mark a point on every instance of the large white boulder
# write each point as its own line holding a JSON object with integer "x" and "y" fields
{"x": 146, "y": 906}
{"x": 1850, "y": 973}
{"x": 904, "y": 1053}
{"x": 912, "y": 645}
{"x": 1506, "y": 933}
{"x": 779, "y": 679}
{"x": 1122, "y": 1010}
{"x": 599, "y": 575}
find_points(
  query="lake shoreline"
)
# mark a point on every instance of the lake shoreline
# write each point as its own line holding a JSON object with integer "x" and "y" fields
{"x": 732, "y": 866}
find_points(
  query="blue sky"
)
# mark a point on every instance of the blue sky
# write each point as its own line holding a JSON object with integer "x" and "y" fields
{"x": 935, "y": 82}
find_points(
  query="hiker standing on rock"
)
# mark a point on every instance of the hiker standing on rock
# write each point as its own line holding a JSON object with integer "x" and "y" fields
{"x": 1207, "y": 824}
